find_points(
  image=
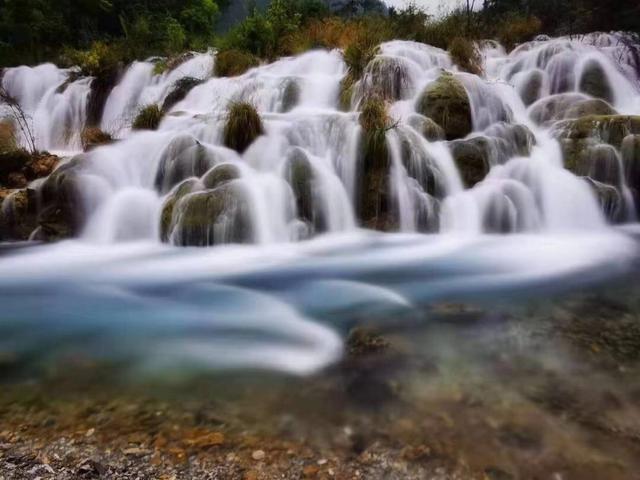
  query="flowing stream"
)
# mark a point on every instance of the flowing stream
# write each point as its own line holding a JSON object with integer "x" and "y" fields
{"x": 284, "y": 298}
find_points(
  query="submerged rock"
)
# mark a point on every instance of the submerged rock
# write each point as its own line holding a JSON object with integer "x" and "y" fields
{"x": 594, "y": 81}
{"x": 213, "y": 217}
{"x": 446, "y": 102}
{"x": 220, "y": 174}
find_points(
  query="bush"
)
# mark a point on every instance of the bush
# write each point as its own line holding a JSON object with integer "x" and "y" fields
{"x": 373, "y": 116}
{"x": 518, "y": 30}
{"x": 148, "y": 118}
{"x": 465, "y": 54}
{"x": 99, "y": 60}
{"x": 243, "y": 126}
{"x": 231, "y": 63}
{"x": 93, "y": 137}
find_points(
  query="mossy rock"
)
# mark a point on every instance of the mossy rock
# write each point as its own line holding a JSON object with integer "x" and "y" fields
{"x": 290, "y": 95}
{"x": 212, "y": 217}
{"x": 472, "y": 159}
{"x": 101, "y": 87}
{"x": 594, "y": 82}
{"x": 387, "y": 77}
{"x": 167, "y": 219}
{"x": 427, "y": 127}
{"x": 300, "y": 175}
{"x": 242, "y": 127}
{"x": 93, "y": 137}
{"x": 183, "y": 158}
{"x": 148, "y": 118}
{"x": 179, "y": 91}
{"x": 611, "y": 129}
{"x": 531, "y": 89}
{"x": 568, "y": 106}
{"x": 220, "y": 175}
{"x": 512, "y": 140}
{"x": 601, "y": 163}
{"x": 446, "y": 102}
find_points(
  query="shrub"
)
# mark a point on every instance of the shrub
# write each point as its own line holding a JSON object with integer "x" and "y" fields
{"x": 465, "y": 54}
{"x": 148, "y": 118}
{"x": 242, "y": 127}
{"x": 100, "y": 59}
{"x": 373, "y": 115}
{"x": 231, "y": 63}
{"x": 517, "y": 30}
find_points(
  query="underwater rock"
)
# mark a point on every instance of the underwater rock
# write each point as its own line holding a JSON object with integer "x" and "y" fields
{"x": 183, "y": 158}
{"x": 594, "y": 82}
{"x": 512, "y": 140}
{"x": 179, "y": 91}
{"x": 446, "y": 102}
{"x": 213, "y": 217}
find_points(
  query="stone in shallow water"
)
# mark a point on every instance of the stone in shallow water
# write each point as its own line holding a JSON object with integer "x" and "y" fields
{"x": 594, "y": 81}
{"x": 184, "y": 157}
{"x": 302, "y": 178}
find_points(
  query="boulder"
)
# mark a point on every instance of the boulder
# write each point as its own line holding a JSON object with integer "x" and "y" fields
{"x": 568, "y": 106}
{"x": 220, "y": 174}
{"x": 179, "y": 91}
{"x": 290, "y": 95}
{"x": 183, "y": 158}
{"x": 387, "y": 77}
{"x": 631, "y": 163}
{"x": 301, "y": 176}
{"x": 472, "y": 157}
{"x": 446, "y": 102}
{"x": 594, "y": 82}
{"x": 167, "y": 219}
{"x": 530, "y": 89}
{"x": 213, "y": 217}
{"x": 427, "y": 127}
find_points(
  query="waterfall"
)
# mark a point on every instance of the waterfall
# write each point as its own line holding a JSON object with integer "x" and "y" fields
{"x": 301, "y": 177}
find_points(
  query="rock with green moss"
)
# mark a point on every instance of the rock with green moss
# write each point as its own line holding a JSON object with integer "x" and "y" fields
{"x": 243, "y": 125}
{"x": 18, "y": 215}
{"x": 183, "y": 158}
{"x": 609, "y": 198}
{"x": 568, "y": 106}
{"x": 220, "y": 174}
{"x": 179, "y": 91}
{"x": 148, "y": 118}
{"x": 531, "y": 89}
{"x": 167, "y": 218}
{"x": 387, "y": 77}
{"x": 427, "y": 127}
{"x": 511, "y": 140}
{"x": 594, "y": 81}
{"x": 213, "y": 217}
{"x": 446, "y": 102}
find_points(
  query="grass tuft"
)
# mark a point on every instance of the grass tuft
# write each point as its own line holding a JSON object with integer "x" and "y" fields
{"x": 243, "y": 126}
{"x": 148, "y": 118}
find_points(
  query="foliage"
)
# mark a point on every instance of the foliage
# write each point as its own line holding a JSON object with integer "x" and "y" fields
{"x": 96, "y": 61}
{"x": 7, "y": 137}
{"x": 92, "y": 137}
{"x": 19, "y": 119}
{"x": 516, "y": 30}
{"x": 466, "y": 55}
{"x": 231, "y": 63}
{"x": 148, "y": 118}
{"x": 373, "y": 115}
{"x": 242, "y": 127}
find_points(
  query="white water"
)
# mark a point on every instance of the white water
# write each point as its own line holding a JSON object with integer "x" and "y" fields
{"x": 559, "y": 232}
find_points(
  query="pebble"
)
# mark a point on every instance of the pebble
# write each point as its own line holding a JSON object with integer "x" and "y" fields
{"x": 258, "y": 455}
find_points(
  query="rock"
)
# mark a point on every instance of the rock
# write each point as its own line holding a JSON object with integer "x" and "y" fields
{"x": 362, "y": 342}
{"x": 290, "y": 95}
{"x": 427, "y": 127}
{"x": 179, "y": 91}
{"x": 167, "y": 219}
{"x": 183, "y": 158}
{"x": 472, "y": 159}
{"x": 301, "y": 176}
{"x": 601, "y": 163}
{"x": 567, "y": 106}
{"x": 93, "y": 137}
{"x": 631, "y": 162}
{"x": 530, "y": 90}
{"x": 258, "y": 455}
{"x": 594, "y": 81}
{"x": 609, "y": 198}
{"x": 212, "y": 217}
{"x": 220, "y": 174}
{"x": 386, "y": 77}
{"x": 446, "y": 102}
{"x": 516, "y": 140}
{"x": 101, "y": 87}
{"x": 11, "y": 162}
{"x": 18, "y": 215}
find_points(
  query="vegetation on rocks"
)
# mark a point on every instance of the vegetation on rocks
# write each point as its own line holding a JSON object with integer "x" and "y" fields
{"x": 93, "y": 137}
{"x": 446, "y": 102}
{"x": 465, "y": 54}
{"x": 148, "y": 118}
{"x": 243, "y": 125}
{"x": 233, "y": 62}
